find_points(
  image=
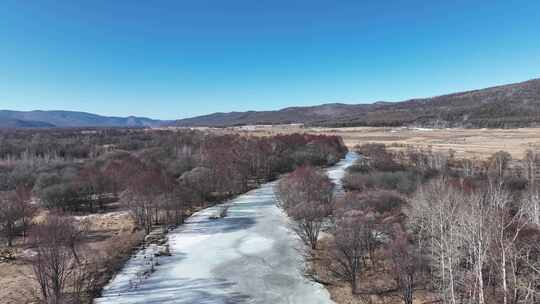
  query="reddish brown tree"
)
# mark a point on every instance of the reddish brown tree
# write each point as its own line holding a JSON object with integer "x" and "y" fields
{"x": 406, "y": 264}
{"x": 349, "y": 246}
{"x": 15, "y": 213}
{"x": 144, "y": 195}
{"x": 306, "y": 195}
{"x": 56, "y": 244}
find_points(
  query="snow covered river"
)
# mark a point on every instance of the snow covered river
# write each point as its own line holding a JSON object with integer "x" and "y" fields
{"x": 250, "y": 256}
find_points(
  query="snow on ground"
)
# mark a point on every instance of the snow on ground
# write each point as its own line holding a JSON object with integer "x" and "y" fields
{"x": 250, "y": 256}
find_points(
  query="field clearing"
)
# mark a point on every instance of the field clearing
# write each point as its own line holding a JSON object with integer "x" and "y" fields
{"x": 469, "y": 143}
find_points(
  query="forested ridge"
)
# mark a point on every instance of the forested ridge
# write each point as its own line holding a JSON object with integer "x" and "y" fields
{"x": 506, "y": 106}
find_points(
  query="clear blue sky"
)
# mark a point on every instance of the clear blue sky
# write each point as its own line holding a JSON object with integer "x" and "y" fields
{"x": 174, "y": 59}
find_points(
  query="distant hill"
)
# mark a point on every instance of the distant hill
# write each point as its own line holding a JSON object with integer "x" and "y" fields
{"x": 284, "y": 116}
{"x": 47, "y": 119}
{"x": 514, "y": 105}
{"x": 17, "y": 123}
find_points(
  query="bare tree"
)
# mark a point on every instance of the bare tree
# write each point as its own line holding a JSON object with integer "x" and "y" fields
{"x": 468, "y": 167}
{"x": 306, "y": 195}
{"x": 531, "y": 167}
{"x": 348, "y": 248}
{"x": 478, "y": 242}
{"x": 15, "y": 213}
{"x": 9, "y": 215}
{"x": 23, "y": 199}
{"x": 406, "y": 264}
{"x": 497, "y": 165}
{"x": 434, "y": 216}
{"x": 530, "y": 162}
{"x": 532, "y": 207}
{"x": 507, "y": 226}
{"x": 143, "y": 196}
{"x": 199, "y": 180}
{"x": 54, "y": 263}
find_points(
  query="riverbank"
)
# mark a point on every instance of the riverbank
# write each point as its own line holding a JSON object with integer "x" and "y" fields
{"x": 251, "y": 255}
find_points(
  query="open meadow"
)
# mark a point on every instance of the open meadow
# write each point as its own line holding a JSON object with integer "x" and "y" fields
{"x": 467, "y": 143}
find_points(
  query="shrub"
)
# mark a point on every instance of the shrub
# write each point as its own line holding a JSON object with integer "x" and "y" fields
{"x": 515, "y": 183}
{"x": 65, "y": 196}
{"x": 404, "y": 182}
{"x": 380, "y": 201}
{"x": 379, "y": 158}
{"x": 383, "y": 201}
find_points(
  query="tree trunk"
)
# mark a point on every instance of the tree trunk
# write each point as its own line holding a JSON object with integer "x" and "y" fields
{"x": 354, "y": 288}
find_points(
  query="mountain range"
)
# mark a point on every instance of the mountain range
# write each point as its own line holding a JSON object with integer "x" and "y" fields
{"x": 513, "y": 105}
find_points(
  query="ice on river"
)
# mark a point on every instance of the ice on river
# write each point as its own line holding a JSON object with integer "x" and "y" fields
{"x": 250, "y": 256}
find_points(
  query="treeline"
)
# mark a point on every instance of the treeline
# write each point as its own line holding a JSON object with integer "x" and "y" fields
{"x": 461, "y": 119}
{"x": 458, "y": 230}
{"x": 158, "y": 176}
{"x": 80, "y": 170}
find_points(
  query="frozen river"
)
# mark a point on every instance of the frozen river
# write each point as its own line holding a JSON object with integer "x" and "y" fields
{"x": 250, "y": 256}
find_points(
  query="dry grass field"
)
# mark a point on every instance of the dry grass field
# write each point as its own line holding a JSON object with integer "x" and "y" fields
{"x": 467, "y": 143}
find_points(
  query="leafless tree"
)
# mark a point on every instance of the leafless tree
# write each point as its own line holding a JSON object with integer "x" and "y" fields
{"x": 15, "y": 212}
{"x": 9, "y": 215}
{"x": 530, "y": 163}
{"x": 54, "y": 263}
{"x": 306, "y": 195}
{"x": 497, "y": 165}
{"x": 477, "y": 241}
{"x": 23, "y": 199}
{"x": 434, "y": 217}
{"x": 507, "y": 226}
{"x": 143, "y": 196}
{"x": 349, "y": 247}
{"x": 468, "y": 167}
{"x": 199, "y": 180}
{"x": 406, "y": 264}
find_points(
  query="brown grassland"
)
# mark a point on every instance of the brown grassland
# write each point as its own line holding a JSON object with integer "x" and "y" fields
{"x": 467, "y": 143}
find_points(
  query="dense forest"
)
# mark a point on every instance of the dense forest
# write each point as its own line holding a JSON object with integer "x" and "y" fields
{"x": 51, "y": 179}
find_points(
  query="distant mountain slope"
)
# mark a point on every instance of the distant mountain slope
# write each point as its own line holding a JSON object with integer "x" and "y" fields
{"x": 284, "y": 116}
{"x": 43, "y": 119}
{"x": 514, "y": 105}
{"x": 17, "y": 123}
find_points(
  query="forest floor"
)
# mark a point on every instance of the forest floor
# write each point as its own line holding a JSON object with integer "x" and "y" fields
{"x": 375, "y": 286}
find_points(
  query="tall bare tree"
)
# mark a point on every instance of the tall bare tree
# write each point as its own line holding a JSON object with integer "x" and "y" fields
{"x": 306, "y": 195}
{"x": 497, "y": 165}
{"x": 349, "y": 246}
{"x": 55, "y": 261}
{"x": 15, "y": 213}
{"x": 406, "y": 264}
{"x": 434, "y": 216}
{"x": 144, "y": 195}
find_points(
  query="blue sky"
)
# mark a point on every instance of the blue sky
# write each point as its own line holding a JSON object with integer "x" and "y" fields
{"x": 175, "y": 59}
